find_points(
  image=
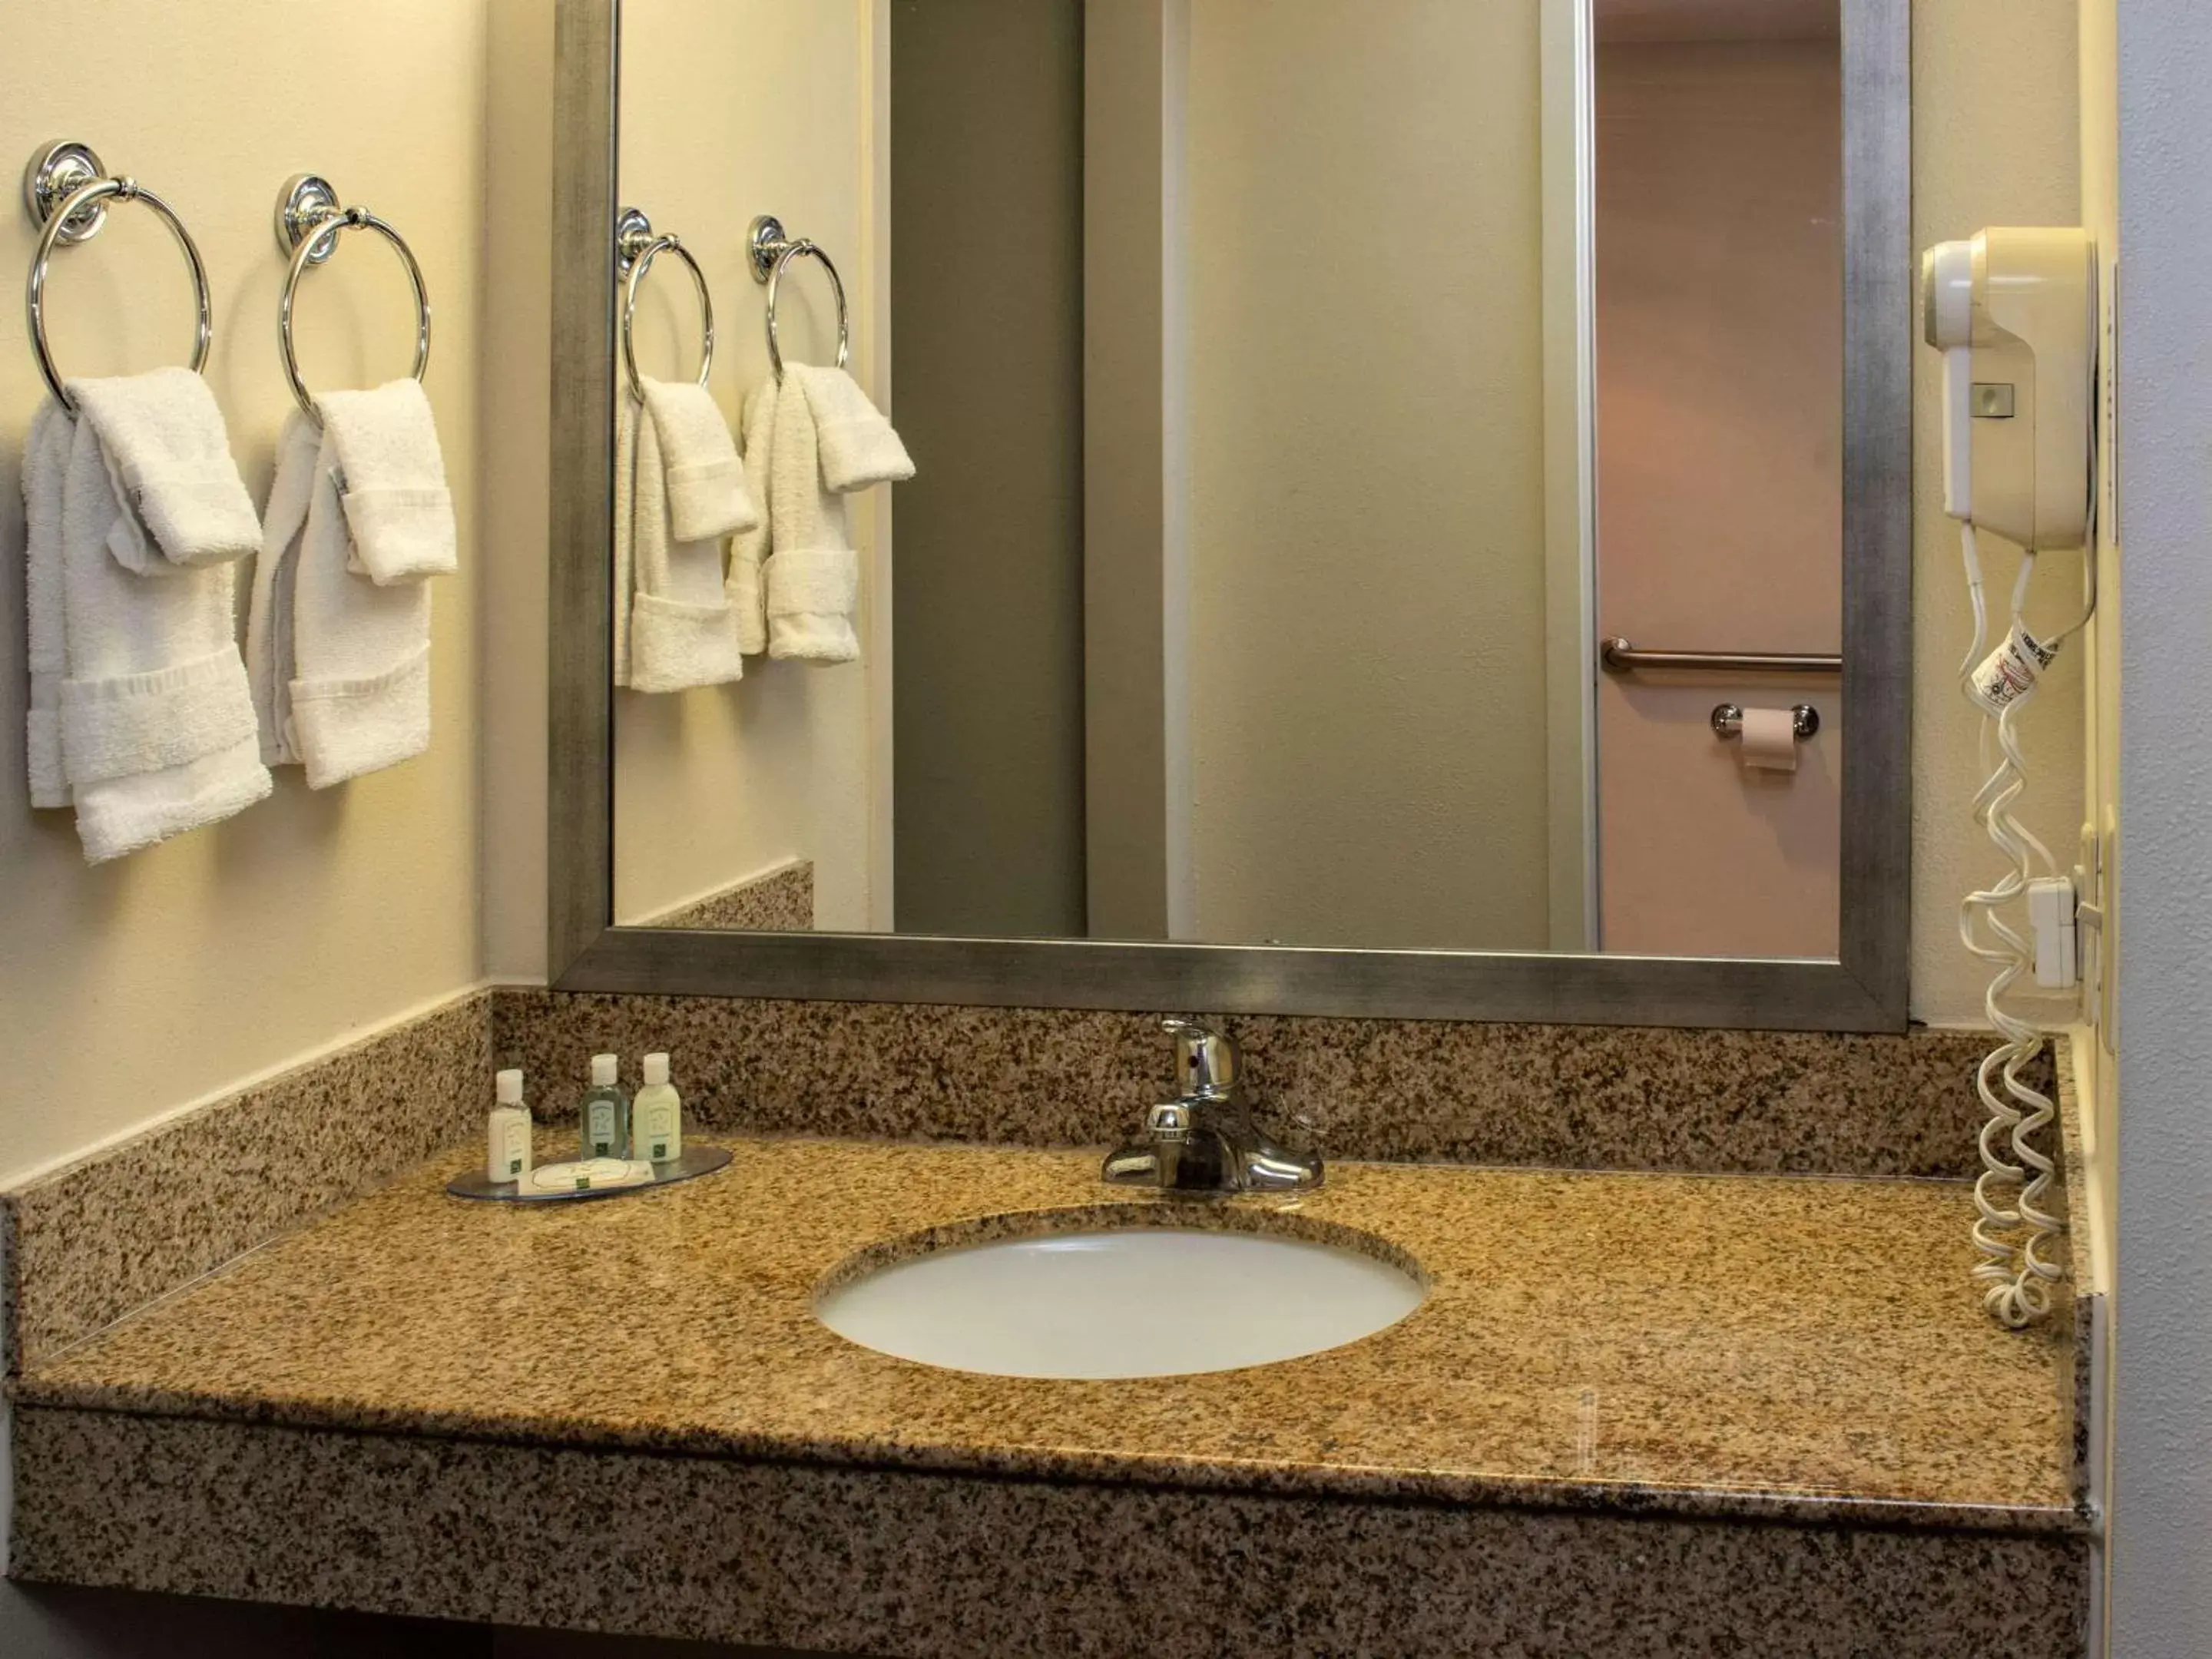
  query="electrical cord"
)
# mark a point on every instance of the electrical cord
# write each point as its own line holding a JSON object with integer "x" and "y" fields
{"x": 2012, "y": 1237}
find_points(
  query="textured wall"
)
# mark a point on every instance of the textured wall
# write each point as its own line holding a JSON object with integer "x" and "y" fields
{"x": 2162, "y": 1501}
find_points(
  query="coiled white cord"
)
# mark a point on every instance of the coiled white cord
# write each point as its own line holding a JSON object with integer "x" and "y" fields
{"x": 2013, "y": 1239}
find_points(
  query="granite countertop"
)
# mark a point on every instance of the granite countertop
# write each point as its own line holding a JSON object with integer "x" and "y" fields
{"x": 1806, "y": 1348}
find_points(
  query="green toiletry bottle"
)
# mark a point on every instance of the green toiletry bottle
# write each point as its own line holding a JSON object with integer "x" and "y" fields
{"x": 605, "y": 1113}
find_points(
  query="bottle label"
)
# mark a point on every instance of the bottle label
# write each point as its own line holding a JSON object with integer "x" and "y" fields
{"x": 2010, "y": 672}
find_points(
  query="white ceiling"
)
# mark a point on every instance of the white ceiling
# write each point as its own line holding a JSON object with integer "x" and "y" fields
{"x": 1716, "y": 20}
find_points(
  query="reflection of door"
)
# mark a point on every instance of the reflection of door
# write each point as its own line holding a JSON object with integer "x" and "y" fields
{"x": 1719, "y": 299}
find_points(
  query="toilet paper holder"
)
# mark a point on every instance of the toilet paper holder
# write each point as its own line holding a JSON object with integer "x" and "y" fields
{"x": 1728, "y": 720}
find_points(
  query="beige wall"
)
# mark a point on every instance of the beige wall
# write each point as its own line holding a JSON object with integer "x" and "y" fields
{"x": 1995, "y": 142}
{"x": 130, "y": 989}
{"x": 732, "y": 108}
{"x": 1367, "y": 531}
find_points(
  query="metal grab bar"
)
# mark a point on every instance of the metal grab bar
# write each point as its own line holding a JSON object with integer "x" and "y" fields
{"x": 1619, "y": 657}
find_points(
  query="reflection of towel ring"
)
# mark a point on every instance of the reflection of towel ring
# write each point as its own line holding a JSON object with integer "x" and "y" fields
{"x": 309, "y": 222}
{"x": 772, "y": 251}
{"x": 64, "y": 187}
{"x": 635, "y": 247}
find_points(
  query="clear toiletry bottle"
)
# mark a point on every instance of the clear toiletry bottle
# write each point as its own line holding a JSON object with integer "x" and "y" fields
{"x": 606, "y": 1112}
{"x": 656, "y": 1116}
{"x": 506, "y": 1133}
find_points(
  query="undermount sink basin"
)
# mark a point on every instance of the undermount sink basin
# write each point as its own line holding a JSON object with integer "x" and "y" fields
{"x": 1120, "y": 1303}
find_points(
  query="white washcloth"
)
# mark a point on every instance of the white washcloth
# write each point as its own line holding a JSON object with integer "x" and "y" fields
{"x": 678, "y": 630}
{"x": 706, "y": 482}
{"x": 140, "y": 714}
{"x": 394, "y": 481}
{"x": 341, "y": 671}
{"x": 857, "y": 446}
{"x": 181, "y": 499}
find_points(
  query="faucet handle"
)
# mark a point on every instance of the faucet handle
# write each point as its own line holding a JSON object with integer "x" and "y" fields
{"x": 1208, "y": 1061}
{"x": 1169, "y": 1122}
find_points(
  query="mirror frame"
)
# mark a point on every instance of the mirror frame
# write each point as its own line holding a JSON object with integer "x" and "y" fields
{"x": 1863, "y": 988}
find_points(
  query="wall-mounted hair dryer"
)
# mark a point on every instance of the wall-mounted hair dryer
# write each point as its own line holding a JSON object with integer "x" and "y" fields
{"x": 2014, "y": 312}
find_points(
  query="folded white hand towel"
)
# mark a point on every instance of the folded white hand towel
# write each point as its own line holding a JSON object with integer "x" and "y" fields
{"x": 156, "y": 721}
{"x": 179, "y": 496}
{"x": 813, "y": 576}
{"x": 396, "y": 502}
{"x": 342, "y": 671}
{"x": 747, "y": 589}
{"x": 706, "y": 482}
{"x": 682, "y": 631}
{"x": 857, "y": 444}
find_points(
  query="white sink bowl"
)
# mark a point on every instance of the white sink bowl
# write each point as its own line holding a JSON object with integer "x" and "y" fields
{"x": 1116, "y": 1303}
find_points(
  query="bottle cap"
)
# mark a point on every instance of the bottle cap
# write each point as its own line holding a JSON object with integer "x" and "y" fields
{"x": 656, "y": 1070}
{"x": 510, "y": 1088}
{"x": 604, "y": 1070}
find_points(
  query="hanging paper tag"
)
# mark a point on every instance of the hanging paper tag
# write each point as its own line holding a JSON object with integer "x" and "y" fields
{"x": 2010, "y": 672}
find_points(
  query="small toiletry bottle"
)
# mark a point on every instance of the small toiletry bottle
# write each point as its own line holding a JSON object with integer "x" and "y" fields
{"x": 506, "y": 1133}
{"x": 656, "y": 1116}
{"x": 606, "y": 1112}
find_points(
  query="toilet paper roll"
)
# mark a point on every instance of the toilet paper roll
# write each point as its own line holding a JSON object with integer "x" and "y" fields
{"x": 1770, "y": 739}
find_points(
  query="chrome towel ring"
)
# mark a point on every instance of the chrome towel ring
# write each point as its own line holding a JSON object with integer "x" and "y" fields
{"x": 64, "y": 186}
{"x": 308, "y": 222}
{"x": 772, "y": 251}
{"x": 636, "y": 249}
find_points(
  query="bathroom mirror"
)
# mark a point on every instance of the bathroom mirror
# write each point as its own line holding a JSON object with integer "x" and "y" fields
{"x": 1409, "y": 512}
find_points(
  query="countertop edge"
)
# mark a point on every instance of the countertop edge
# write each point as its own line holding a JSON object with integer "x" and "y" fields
{"x": 1420, "y": 1488}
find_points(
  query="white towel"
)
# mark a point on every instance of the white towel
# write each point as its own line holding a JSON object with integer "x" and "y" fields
{"x": 392, "y": 482}
{"x": 706, "y": 482}
{"x": 45, "y": 465}
{"x": 812, "y": 577}
{"x": 341, "y": 671}
{"x": 745, "y": 586}
{"x": 680, "y": 630}
{"x": 857, "y": 446}
{"x": 148, "y": 727}
{"x": 181, "y": 499}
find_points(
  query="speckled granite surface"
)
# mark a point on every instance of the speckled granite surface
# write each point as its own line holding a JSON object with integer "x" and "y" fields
{"x": 922, "y": 1567}
{"x": 780, "y": 902}
{"x": 89, "y": 1241}
{"x": 1708, "y": 1346}
{"x": 1559, "y": 1096}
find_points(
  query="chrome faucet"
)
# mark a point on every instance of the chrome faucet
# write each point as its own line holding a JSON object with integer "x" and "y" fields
{"x": 1205, "y": 1140}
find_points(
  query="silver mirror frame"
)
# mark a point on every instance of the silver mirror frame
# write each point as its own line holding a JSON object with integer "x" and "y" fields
{"x": 1863, "y": 989}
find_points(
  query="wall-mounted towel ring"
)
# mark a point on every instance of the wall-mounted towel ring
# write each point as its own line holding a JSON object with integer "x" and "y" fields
{"x": 308, "y": 222}
{"x": 64, "y": 186}
{"x": 636, "y": 249}
{"x": 771, "y": 252}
